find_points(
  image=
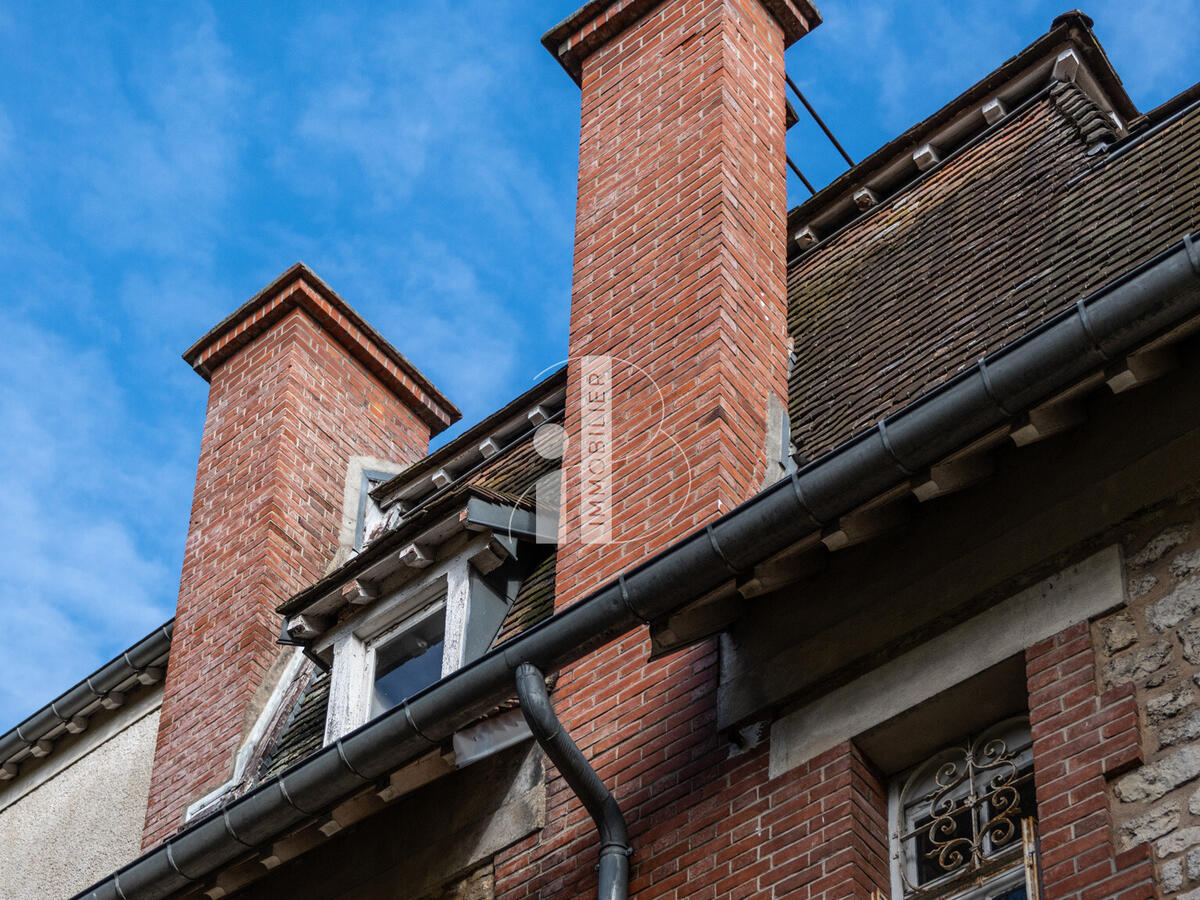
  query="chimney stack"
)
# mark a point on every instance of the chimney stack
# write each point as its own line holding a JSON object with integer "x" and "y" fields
{"x": 678, "y": 337}
{"x": 298, "y": 385}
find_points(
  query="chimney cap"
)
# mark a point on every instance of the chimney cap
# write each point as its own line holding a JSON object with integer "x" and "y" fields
{"x": 595, "y": 23}
{"x": 301, "y": 287}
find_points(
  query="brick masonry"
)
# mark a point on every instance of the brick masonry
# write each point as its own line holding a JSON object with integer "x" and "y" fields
{"x": 705, "y": 822}
{"x": 1083, "y": 735}
{"x": 286, "y": 411}
{"x": 678, "y": 272}
{"x": 679, "y": 277}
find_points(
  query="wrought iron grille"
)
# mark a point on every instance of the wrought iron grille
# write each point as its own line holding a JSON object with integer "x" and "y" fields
{"x": 962, "y": 811}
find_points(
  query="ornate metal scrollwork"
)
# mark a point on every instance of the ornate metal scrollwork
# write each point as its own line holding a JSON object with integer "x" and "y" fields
{"x": 961, "y": 812}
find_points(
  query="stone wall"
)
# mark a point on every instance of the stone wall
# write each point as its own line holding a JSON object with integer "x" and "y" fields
{"x": 1153, "y": 646}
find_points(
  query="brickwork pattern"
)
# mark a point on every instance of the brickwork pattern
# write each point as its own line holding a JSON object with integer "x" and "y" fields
{"x": 679, "y": 273}
{"x": 704, "y": 823}
{"x": 1153, "y": 649}
{"x": 284, "y": 416}
{"x": 1082, "y": 736}
{"x": 679, "y": 278}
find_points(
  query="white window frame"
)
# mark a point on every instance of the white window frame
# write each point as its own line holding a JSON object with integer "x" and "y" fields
{"x": 446, "y": 584}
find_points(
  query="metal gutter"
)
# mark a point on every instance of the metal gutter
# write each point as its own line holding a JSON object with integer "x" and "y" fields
{"x": 150, "y": 651}
{"x": 1144, "y": 303}
{"x": 583, "y": 780}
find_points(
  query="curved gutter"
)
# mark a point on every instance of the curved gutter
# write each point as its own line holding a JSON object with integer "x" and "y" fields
{"x": 1141, "y": 305}
{"x": 148, "y": 652}
{"x": 583, "y": 780}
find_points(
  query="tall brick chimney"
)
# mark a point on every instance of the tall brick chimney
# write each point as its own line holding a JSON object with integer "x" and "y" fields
{"x": 679, "y": 303}
{"x": 299, "y": 384}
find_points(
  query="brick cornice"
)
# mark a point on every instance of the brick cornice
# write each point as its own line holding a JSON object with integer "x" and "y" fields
{"x": 300, "y": 287}
{"x": 598, "y": 21}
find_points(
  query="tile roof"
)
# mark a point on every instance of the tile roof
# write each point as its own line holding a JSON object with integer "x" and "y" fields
{"x": 1001, "y": 236}
{"x": 303, "y": 730}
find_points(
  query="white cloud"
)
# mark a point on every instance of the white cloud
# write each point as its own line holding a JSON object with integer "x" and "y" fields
{"x": 77, "y": 583}
{"x": 153, "y": 153}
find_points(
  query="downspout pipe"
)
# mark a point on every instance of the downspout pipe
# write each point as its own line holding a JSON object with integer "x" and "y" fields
{"x": 578, "y": 773}
{"x": 1141, "y": 305}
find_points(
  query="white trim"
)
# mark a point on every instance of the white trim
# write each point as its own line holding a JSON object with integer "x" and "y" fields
{"x": 352, "y": 492}
{"x": 444, "y": 585}
{"x": 396, "y": 605}
{"x": 1074, "y": 595}
{"x": 350, "y": 684}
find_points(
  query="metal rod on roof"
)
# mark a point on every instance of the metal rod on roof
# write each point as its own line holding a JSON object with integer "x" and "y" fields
{"x": 812, "y": 190}
{"x": 825, "y": 128}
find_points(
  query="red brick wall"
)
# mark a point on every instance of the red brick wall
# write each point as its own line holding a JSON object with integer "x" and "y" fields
{"x": 703, "y": 824}
{"x": 679, "y": 272}
{"x": 680, "y": 277}
{"x": 1082, "y": 738}
{"x": 285, "y": 414}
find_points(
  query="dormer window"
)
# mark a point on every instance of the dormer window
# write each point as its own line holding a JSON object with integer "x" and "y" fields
{"x": 417, "y": 610}
{"x": 962, "y": 821}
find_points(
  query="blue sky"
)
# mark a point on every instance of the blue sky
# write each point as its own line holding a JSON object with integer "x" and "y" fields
{"x": 160, "y": 163}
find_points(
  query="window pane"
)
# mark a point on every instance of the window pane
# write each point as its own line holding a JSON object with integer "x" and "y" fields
{"x": 409, "y": 661}
{"x": 407, "y": 676}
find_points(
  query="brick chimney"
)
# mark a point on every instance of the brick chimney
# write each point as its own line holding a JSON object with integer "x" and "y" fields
{"x": 678, "y": 340}
{"x": 299, "y": 384}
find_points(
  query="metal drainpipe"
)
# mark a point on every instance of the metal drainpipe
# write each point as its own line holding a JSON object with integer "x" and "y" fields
{"x": 600, "y": 804}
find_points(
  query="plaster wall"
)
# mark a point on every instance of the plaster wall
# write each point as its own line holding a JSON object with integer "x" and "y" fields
{"x": 79, "y": 817}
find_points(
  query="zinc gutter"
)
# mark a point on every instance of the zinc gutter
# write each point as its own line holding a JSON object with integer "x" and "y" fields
{"x": 145, "y": 653}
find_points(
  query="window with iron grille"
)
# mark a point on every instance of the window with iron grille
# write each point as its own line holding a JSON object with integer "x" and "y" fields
{"x": 964, "y": 821}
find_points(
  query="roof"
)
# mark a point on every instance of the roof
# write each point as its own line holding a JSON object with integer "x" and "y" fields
{"x": 417, "y": 502}
{"x": 142, "y": 664}
{"x": 996, "y": 239}
{"x": 964, "y": 118}
{"x": 302, "y": 731}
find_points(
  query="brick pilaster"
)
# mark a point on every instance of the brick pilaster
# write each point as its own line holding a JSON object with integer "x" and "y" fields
{"x": 1081, "y": 738}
